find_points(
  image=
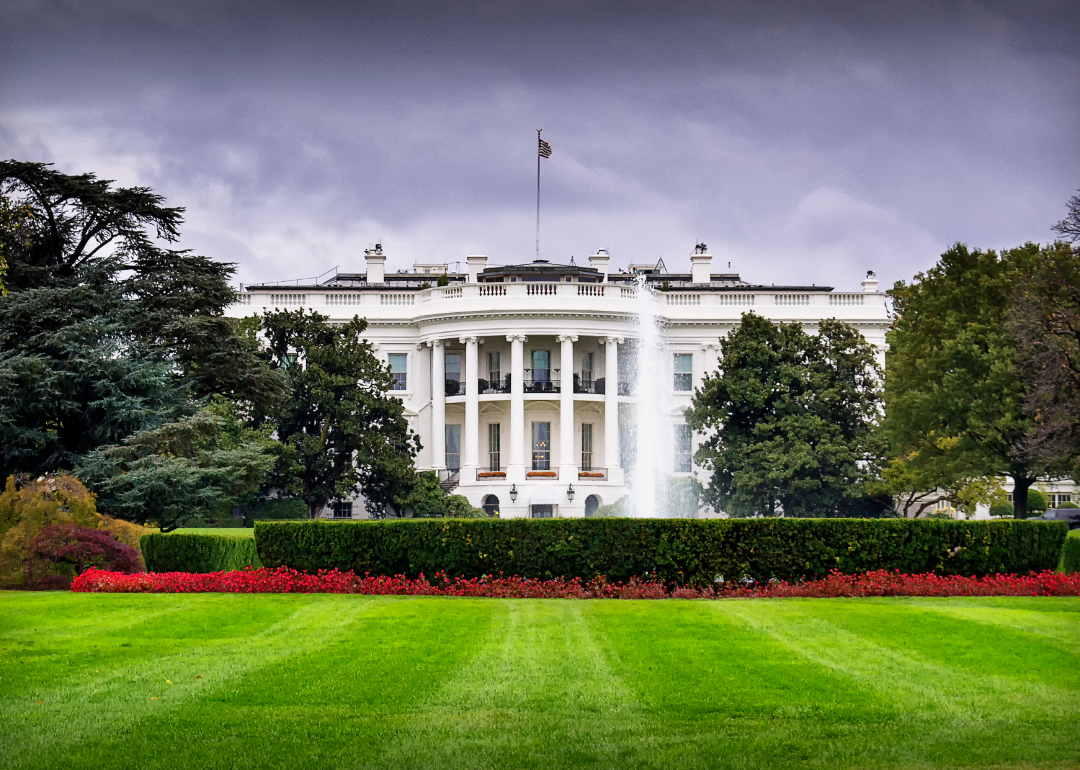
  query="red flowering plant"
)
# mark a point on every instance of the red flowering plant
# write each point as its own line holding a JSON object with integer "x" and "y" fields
{"x": 284, "y": 580}
{"x": 64, "y": 551}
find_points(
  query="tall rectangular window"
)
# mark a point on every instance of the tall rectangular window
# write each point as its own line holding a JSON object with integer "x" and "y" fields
{"x": 586, "y": 446}
{"x": 398, "y": 364}
{"x": 453, "y": 447}
{"x": 541, "y": 441}
{"x": 452, "y": 363}
{"x": 541, "y": 366}
{"x": 683, "y": 449}
{"x": 684, "y": 372}
{"x": 494, "y": 447}
{"x": 495, "y": 371}
{"x": 586, "y": 373}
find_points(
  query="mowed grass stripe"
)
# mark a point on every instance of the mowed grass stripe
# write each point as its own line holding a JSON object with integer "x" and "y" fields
{"x": 76, "y": 708}
{"x": 904, "y": 666}
{"x": 1059, "y": 627}
{"x": 540, "y": 694}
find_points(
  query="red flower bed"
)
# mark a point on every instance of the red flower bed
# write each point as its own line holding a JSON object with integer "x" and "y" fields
{"x": 284, "y": 580}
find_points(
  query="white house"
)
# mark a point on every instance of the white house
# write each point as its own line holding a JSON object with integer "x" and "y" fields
{"x": 518, "y": 379}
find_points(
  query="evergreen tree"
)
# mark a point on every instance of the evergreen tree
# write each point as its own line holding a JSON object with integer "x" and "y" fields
{"x": 789, "y": 419}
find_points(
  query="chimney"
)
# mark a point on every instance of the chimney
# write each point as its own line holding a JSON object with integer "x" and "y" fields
{"x": 701, "y": 264}
{"x": 477, "y": 262}
{"x": 376, "y": 264}
{"x": 870, "y": 283}
{"x": 600, "y": 260}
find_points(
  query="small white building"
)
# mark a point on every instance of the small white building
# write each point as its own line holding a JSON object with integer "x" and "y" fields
{"x": 518, "y": 378}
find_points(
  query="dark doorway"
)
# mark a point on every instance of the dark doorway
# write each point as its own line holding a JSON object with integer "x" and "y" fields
{"x": 592, "y": 502}
{"x": 544, "y": 511}
{"x": 491, "y": 505}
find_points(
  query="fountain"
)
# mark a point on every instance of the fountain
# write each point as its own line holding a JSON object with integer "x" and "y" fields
{"x": 651, "y": 432}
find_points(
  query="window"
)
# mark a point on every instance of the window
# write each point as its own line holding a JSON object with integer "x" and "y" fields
{"x": 453, "y": 447}
{"x": 541, "y": 366}
{"x": 586, "y": 372}
{"x": 586, "y": 446}
{"x": 398, "y": 365}
{"x": 491, "y": 505}
{"x": 452, "y": 365}
{"x": 543, "y": 511}
{"x": 684, "y": 372}
{"x": 1055, "y": 500}
{"x": 342, "y": 509}
{"x": 541, "y": 437}
{"x": 494, "y": 370}
{"x": 494, "y": 446}
{"x": 683, "y": 446}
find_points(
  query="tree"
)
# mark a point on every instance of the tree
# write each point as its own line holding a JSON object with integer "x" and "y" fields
{"x": 348, "y": 434}
{"x": 1044, "y": 319}
{"x": 1069, "y": 227}
{"x": 789, "y": 418}
{"x": 209, "y": 462}
{"x": 953, "y": 391}
{"x": 106, "y": 333}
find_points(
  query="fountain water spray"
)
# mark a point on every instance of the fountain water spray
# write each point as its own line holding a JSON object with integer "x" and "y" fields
{"x": 651, "y": 433}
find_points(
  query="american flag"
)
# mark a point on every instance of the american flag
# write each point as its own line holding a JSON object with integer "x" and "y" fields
{"x": 545, "y": 149}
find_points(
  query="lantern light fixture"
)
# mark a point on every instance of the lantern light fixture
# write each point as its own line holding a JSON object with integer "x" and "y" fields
{"x": 513, "y": 493}
{"x": 570, "y": 493}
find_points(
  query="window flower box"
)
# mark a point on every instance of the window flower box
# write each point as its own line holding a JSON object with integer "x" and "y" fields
{"x": 542, "y": 475}
{"x": 590, "y": 474}
{"x": 491, "y": 475}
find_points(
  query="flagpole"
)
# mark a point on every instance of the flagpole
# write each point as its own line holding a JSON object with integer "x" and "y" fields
{"x": 538, "y": 140}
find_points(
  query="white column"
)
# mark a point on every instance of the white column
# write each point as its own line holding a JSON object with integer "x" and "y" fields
{"x": 515, "y": 469}
{"x": 438, "y": 406}
{"x": 567, "y": 459}
{"x": 472, "y": 410}
{"x": 611, "y": 411}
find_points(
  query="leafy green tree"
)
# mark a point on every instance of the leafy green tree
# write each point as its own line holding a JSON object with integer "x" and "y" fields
{"x": 953, "y": 391}
{"x": 348, "y": 434}
{"x": 789, "y": 419}
{"x": 1044, "y": 319}
{"x": 207, "y": 463}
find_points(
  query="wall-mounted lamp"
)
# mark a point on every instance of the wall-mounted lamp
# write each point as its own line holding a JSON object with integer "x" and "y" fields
{"x": 513, "y": 493}
{"x": 570, "y": 493}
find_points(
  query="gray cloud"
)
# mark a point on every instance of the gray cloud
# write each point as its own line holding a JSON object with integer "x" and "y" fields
{"x": 804, "y": 143}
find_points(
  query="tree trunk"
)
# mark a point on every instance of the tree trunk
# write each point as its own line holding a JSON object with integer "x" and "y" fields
{"x": 1021, "y": 485}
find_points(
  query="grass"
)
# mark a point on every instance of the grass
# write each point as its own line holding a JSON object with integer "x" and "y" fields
{"x": 322, "y": 681}
{"x": 224, "y": 531}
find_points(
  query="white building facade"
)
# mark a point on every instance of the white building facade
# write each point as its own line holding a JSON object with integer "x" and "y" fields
{"x": 519, "y": 379}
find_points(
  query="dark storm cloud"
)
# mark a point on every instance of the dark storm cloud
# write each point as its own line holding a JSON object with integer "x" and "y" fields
{"x": 803, "y": 142}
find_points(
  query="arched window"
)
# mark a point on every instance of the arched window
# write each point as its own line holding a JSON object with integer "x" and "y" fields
{"x": 592, "y": 502}
{"x": 491, "y": 505}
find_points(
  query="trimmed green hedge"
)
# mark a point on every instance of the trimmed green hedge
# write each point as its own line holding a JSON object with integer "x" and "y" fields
{"x": 1070, "y": 555}
{"x": 197, "y": 553}
{"x": 679, "y": 551}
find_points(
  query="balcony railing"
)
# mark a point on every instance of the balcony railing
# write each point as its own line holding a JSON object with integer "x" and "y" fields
{"x": 484, "y": 387}
{"x": 595, "y": 387}
{"x": 541, "y": 381}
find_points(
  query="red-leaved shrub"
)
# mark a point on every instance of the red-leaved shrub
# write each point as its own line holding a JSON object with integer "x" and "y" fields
{"x": 284, "y": 580}
{"x": 64, "y": 551}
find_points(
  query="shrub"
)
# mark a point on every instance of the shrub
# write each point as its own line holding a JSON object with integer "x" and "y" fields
{"x": 276, "y": 509}
{"x": 1069, "y": 505}
{"x": 1001, "y": 510}
{"x": 1037, "y": 502}
{"x": 1070, "y": 555}
{"x": 198, "y": 553}
{"x": 675, "y": 551}
{"x": 61, "y": 552}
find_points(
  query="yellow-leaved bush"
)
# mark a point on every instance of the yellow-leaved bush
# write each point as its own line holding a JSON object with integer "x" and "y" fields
{"x": 28, "y": 506}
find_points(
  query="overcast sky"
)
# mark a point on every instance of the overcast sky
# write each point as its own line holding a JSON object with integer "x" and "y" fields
{"x": 803, "y": 142}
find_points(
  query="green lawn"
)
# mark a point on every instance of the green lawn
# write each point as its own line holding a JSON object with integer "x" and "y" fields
{"x": 294, "y": 681}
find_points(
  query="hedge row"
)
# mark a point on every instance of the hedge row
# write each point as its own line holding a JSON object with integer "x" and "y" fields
{"x": 198, "y": 553}
{"x": 676, "y": 551}
{"x": 1070, "y": 556}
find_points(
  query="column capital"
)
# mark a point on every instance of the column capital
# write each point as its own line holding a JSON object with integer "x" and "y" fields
{"x": 518, "y": 337}
{"x": 710, "y": 345}
{"x": 565, "y": 337}
{"x": 434, "y": 343}
{"x": 467, "y": 340}
{"x": 616, "y": 340}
